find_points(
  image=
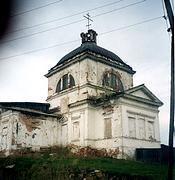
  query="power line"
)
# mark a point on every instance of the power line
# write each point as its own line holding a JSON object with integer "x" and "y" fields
{"x": 65, "y": 17}
{"x": 74, "y": 22}
{"x": 133, "y": 4}
{"x": 132, "y": 25}
{"x": 41, "y": 49}
{"x": 57, "y": 45}
{"x": 36, "y": 8}
{"x": 43, "y": 31}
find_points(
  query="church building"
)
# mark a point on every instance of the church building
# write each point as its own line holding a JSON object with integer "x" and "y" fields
{"x": 91, "y": 102}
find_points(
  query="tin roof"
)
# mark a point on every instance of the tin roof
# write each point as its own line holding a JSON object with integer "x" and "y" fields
{"x": 89, "y": 46}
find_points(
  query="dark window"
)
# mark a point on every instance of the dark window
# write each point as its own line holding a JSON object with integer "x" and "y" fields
{"x": 113, "y": 81}
{"x": 17, "y": 128}
{"x": 72, "y": 82}
{"x": 67, "y": 81}
{"x": 58, "y": 89}
{"x": 106, "y": 80}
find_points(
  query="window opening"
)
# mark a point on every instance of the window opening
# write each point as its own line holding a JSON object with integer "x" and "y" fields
{"x": 107, "y": 128}
{"x": 65, "y": 82}
{"x": 113, "y": 81}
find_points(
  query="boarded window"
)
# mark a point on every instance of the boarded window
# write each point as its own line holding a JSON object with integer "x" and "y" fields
{"x": 76, "y": 131}
{"x": 141, "y": 128}
{"x": 107, "y": 128}
{"x": 132, "y": 127}
{"x": 64, "y": 134}
{"x": 150, "y": 130}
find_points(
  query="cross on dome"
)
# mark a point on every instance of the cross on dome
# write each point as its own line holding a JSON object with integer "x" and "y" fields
{"x": 88, "y": 18}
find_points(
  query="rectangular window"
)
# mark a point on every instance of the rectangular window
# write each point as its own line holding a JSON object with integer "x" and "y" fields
{"x": 76, "y": 131}
{"x": 65, "y": 81}
{"x": 58, "y": 86}
{"x": 132, "y": 127}
{"x": 141, "y": 128}
{"x": 107, "y": 128}
{"x": 151, "y": 130}
{"x": 113, "y": 81}
{"x": 64, "y": 134}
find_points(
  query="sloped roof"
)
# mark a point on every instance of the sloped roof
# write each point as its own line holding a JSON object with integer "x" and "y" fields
{"x": 89, "y": 46}
{"x": 149, "y": 96}
{"x": 35, "y": 108}
{"x": 43, "y": 107}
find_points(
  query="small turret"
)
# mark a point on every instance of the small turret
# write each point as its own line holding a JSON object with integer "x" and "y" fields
{"x": 90, "y": 36}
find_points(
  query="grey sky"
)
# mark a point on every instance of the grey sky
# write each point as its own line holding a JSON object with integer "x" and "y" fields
{"x": 145, "y": 47}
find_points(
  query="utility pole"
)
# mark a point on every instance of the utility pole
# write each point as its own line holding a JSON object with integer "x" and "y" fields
{"x": 171, "y": 125}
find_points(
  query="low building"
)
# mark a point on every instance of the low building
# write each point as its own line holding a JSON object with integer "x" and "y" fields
{"x": 27, "y": 125}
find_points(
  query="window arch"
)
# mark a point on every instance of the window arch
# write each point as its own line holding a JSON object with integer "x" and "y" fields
{"x": 111, "y": 80}
{"x": 65, "y": 82}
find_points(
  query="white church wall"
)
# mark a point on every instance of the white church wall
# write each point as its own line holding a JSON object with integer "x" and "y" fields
{"x": 140, "y": 127}
{"x": 71, "y": 95}
{"x": 87, "y": 126}
{"x": 86, "y": 71}
{"x": 6, "y": 131}
{"x": 64, "y": 134}
{"x": 106, "y": 125}
{"x": 91, "y": 131}
{"x": 27, "y": 131}
{"x": 78, "y": 71}
{"x": 77, "y": 125}
{"x": 66, "y": 97}
{"x": 122, "y": 123}
{"x": 97, "y": 69}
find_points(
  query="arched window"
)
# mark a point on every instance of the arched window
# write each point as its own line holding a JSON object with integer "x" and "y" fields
{"x": 111, "y": 80}
{"x": 65, "y": 82}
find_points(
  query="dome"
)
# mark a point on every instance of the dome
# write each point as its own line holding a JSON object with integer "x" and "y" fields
{"x": 89, "y": 46}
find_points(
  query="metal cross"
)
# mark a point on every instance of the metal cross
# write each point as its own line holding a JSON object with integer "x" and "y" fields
{"x": 88, "y": 18}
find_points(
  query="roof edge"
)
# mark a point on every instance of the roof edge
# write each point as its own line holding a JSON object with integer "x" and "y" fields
{"x": 83, "y": 55}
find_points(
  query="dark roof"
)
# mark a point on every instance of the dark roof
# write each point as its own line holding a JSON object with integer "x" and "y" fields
{"x": 91, "y": 47}
{"x": 94, "y": 48}
{"x": 42, "y": 107}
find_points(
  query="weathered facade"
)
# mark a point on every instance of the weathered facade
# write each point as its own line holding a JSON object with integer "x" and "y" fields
{"x": 93, "y": 90}
{"x": 102, "y": 109}
{"x": 23, "y": 126}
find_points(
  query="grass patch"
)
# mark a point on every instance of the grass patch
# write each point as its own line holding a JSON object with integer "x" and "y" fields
{"x": 61, "y": 166}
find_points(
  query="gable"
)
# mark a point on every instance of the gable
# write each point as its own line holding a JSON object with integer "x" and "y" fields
{"x": 141, "y": 92}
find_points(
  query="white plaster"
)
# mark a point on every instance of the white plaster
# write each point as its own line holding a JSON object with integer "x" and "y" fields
{"x": 134, "y": 124}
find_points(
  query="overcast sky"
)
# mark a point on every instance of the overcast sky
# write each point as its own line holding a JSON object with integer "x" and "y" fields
{"x": 145, "y": 46}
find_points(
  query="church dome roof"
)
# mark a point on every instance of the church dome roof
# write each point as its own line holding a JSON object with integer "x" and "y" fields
{"x": 89, "y": 46}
